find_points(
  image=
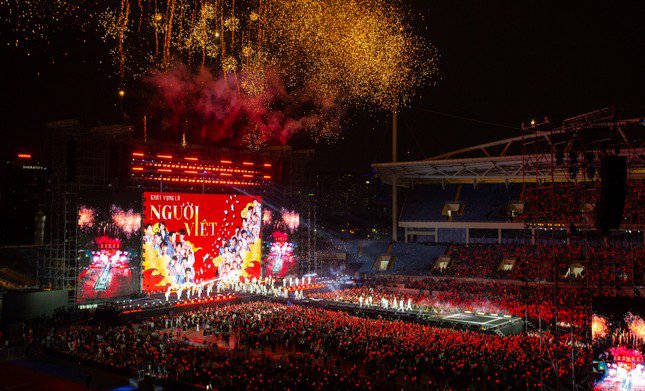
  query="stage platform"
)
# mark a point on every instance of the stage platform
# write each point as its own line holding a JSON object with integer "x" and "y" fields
{"x": 480, "y": 322}
{"x": 485, "y": 323}
{"x": 498, "y": 324}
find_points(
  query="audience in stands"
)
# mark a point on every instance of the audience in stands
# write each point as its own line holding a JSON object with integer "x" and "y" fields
{"x": 602, "y": 265}
{"x": 390, "y": 352}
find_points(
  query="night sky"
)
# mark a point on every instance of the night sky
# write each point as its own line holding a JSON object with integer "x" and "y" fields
{"x": 501, "y": 62}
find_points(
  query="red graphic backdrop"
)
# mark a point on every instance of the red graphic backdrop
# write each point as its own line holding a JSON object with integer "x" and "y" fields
{"x": 280, "y": 261}
{"x": 208, "y": 238}
{"x": 109, "y": 273}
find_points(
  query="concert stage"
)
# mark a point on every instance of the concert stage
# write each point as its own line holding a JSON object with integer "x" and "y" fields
{"x": 502, "y": 325}
{"x": 491, "y": 323}
{"x": 156, "y": 304}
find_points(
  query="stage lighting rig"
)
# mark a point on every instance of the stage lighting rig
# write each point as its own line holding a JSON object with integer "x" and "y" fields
{"x": 573, "y": 172}
{"x": 559, "y": 157}
{"x": 534, "y": 124}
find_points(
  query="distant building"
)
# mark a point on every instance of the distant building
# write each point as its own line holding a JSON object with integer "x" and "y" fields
{"x": 25, "y": 181}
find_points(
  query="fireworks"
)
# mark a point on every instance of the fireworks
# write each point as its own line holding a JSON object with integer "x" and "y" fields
{"x": 128, "y": 221}
{"x": 232, "y": 24}
{"x": 599, "y": 328}
{"x": 86, "y": 217}
{"x": 255, "y": 140}
{"x": 34, "y": 20}
{"x": 362, "y": 48}
{"x": 229, "y": 64}
{"x": 636, "y": 326}
{"x": 326, "y": 55}
{"x": 291, "y": 219}
{"x": 267, "y": 217}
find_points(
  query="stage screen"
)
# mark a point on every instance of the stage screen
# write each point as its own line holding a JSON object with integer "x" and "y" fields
{"x": 109, "y": 245}
{"x": 190, "y": 239}
{"x": 280, "y": 226}
{"x": 280, "y": 261}
{"x": 618, "y": 336}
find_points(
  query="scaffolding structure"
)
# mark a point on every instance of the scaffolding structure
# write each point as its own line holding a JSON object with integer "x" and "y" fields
{"x": 558, "y": 168}
{"x": 80, "y": 160}
{"x": 309, "y": 262}
{"x": 58, "y": 257}
{"x": 276, "y": 198}
{"x": 561, "y": 175}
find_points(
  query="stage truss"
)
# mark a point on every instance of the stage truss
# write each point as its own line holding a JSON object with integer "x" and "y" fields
{"x": 58, "y": 257}
{"x": 552, "y": 164}
{"x": 503, "y": 161}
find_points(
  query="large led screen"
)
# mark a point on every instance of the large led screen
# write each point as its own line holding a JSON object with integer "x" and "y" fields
{"x": 109, "y": 245}
{"x": 191, "y": 239}
{"x": 618, "y": 343}
{"x": 280, "y": 259}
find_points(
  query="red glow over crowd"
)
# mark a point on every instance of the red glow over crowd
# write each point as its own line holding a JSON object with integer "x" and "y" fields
{"x": 314, "y": 341}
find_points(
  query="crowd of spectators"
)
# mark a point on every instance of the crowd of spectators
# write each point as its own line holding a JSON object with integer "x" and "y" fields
{"x": 27, "y": 335}
{"x": 447, "y": 296}
{"x": 557, "y": 202}
{"x": 634, "y": 212}
{"x": 600, "y": 264}
{"x": 383, "y": 351}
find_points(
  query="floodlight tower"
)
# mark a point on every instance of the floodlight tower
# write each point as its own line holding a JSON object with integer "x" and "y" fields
{"x": 394, "y": 188}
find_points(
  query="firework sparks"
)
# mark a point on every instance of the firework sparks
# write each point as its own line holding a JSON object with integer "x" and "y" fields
{"x": 229, "y": 64}
{"x": 291, "y": 219}
{"x": 34, "y": 20}
{"x": 128, "y": 221}
{"x": 86, "y": 217}
{"x": 267, "y": 217}
{"x": 363, "y": 48}
{"x": 599, "y": 328}
{"x": 327, "y": 54}
{"x": 232, "y": 24}
{"x": 636, "y": 326}
{"x": 256, "y": 139}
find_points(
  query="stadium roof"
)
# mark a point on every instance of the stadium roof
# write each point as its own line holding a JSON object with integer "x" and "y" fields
{"x": 531, "y": 156}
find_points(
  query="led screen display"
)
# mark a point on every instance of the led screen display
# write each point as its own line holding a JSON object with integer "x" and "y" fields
{"x": 280, "y": 259}
{"x": 618, "y": 342}
{"x": 109, "y": 245}
{"x": 191, "y": 239}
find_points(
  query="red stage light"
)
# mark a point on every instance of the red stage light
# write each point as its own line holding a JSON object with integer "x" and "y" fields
{"x": 267, "y": 164}
{"x": 247, "y": 163}
{"x": 247, "y": 176}
{"x": 194, "y": 159}
{"x": 24, "y": 156}
{"x": 225, "y": 174}
{"x": 267, "y": 177}
{"x": 165, "y": 156}
{"x": 226, "y": 162}
{"x": 137, "y": 154}
{"x": 137, "y": 168}
{"x": 164, "y": 170}
{"x": 190, "y": 172}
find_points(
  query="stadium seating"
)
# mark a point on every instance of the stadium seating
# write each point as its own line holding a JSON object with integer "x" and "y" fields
{"x": 415, "y": 258}
{"x": 425, "y": 203}
{"x": 487, "y": 202}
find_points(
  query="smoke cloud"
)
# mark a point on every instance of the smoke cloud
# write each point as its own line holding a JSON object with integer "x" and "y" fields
{"x": 217, "y": 108}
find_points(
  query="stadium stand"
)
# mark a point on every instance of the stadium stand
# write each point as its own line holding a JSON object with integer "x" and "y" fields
{"x": 415, "y": 258}
{"x": 487, "y": 202}
{"x": 425, "y": 203}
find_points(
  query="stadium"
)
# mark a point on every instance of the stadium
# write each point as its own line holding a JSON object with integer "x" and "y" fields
{"x": 215, "y": 224}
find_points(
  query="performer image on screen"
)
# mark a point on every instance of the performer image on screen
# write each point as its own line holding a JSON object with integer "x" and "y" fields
{"x": 225, "y": 248}
{"x": 149, "y": 234}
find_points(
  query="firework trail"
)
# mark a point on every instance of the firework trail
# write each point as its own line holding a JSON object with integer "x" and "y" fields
{"x": 277, "y": 67}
